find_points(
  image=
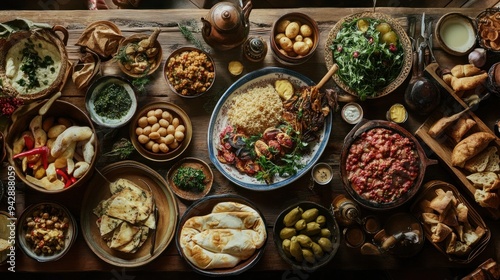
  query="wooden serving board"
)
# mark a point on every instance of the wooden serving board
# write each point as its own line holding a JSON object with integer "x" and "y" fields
{"x": 443, "y": 146}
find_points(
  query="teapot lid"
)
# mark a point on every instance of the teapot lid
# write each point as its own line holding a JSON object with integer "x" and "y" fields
{"x": 226, "y": 16}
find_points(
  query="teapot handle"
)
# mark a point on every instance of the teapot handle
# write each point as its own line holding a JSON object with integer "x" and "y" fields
{"x": 64, "y": 32}
{"x": 247, "y": 9}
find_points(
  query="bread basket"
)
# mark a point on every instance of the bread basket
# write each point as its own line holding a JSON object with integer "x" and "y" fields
{"x": 475, "y": 220}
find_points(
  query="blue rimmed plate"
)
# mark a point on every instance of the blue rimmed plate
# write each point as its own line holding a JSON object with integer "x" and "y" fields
{"x": 219, "y": 121}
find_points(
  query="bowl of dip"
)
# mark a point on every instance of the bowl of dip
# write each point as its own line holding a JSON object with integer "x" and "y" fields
{"x": 397, "y": 113}
{"x": 456, "y": 34}
{"x": 111, "y": 101}
{"x": 352, "y": 113}
{"x": 322, "y": 173}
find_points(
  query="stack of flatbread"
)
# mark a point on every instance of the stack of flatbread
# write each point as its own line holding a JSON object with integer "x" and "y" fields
{"x": 126, "y": 217}
{"x": 232, "y": 232}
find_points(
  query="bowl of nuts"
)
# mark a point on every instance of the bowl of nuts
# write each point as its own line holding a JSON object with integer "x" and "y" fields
{"x": 190, "y": 72}
{"x": 294, "y": 38}
{"x": 161, "y": 131}
{"x": 46, "y": 231}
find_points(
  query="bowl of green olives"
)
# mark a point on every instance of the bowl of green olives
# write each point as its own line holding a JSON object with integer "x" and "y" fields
{"x": 306, "y": 235}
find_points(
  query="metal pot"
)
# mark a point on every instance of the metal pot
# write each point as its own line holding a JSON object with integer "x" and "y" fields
{"x": 226, "y": 25}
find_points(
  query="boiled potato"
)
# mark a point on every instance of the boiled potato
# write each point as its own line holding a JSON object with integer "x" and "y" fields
{"x": 279, "y": 36}
{"x": 305, "y": 30}
{"x": 390, "y": 37}
{"x": 281, "y": 27}
{"x": 309, "y": 42}
{"x": 286, "y": 44}
{"x": 292, "y": 30}
{"x": 383, "y": 28}
{"x": 301, "y": 48}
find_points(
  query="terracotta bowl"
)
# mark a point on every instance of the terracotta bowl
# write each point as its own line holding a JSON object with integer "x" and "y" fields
{"x": 22, "y": 230}
{"x": 353, "y": 136}
{"x": 175, "y": 80}
{"x": 173, "y": 152}
{"x": 466, "y": 27}
{"x": 20, "y": 122}
{"x": 195, "y": 163}
{"x": 291, "y": 57}
{"x": 127, "y": 68}
{"x": 330, "y": 224}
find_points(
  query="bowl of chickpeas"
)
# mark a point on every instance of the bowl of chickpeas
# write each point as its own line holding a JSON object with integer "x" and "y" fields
{"x": 294, "y": 38}
{"x": 161, "y": 131}
{"x": 46, "y": 231}
{"x": 190, "y": 72}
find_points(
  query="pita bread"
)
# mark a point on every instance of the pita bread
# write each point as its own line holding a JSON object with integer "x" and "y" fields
{"x": 108, "y": 224}
{"x": 123, "y": 235}
{"x": 4, "y": 245}
{"x": 223, "y": 238}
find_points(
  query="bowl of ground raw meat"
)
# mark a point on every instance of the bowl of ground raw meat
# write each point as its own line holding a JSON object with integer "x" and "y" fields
{"x": 382, "y": 165}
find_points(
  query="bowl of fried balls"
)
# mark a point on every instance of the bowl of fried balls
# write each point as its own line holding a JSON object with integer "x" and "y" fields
{"x": 161, "y": 131}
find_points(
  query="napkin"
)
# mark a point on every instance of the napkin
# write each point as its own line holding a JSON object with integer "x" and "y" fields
{"x": 101, "y": 38}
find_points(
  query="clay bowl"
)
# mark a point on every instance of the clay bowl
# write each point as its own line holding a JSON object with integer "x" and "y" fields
{"x": 173, "y": 151}
{"x": 197, "y": 164}
{"x": 456, "y": 25}
{"x": 353, "y": 136}
{"x": 22, "y": 230}
{"x": 46, "y": 40}
{"x": 20, "y": 122}
{"x": 127, "y": 68}
{"x": 291, "y": 57}
{"x": 182, "y": 85}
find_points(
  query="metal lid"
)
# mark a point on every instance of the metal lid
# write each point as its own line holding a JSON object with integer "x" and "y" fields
{"x": 226, "y": 16}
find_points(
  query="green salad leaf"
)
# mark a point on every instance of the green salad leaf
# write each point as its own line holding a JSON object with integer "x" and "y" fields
{"x": 368, "y": 61}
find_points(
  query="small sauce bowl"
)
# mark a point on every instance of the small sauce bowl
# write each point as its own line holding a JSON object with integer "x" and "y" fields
{"x": 352, "y": 113}
{"x": 397, "y": 113}
{"x": 456, "y": 33}
{"x": 322, "y": 173}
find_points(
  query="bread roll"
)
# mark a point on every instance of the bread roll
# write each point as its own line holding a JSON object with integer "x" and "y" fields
{"x": 440, "y": 233}
{"x": 465, "y": 70}
{"x": 468, "y": 83}
{"x": 469, "y": 147}
{"x": 460, "y": 128}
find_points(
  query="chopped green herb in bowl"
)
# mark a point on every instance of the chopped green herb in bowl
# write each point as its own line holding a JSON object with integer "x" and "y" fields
{"x": 190, "y": 179}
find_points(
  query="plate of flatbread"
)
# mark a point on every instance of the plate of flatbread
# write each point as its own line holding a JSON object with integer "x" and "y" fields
{"x": 118, "y": 216}
{"x": 221, "y": 235}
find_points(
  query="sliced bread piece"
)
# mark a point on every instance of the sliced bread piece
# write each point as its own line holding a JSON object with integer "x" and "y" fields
{"x": 483, "y": 179}
{"x": 487, "y": 199}
{"x": 479, "y": 162}
{"x": 493, "y": 163}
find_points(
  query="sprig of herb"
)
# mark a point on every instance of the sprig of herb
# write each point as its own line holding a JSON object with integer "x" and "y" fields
{"x": 187, "y": 29}
{"x": 190, "y": 179}
{"x": 141, "y": 82}
{"x": 121, "y": 149}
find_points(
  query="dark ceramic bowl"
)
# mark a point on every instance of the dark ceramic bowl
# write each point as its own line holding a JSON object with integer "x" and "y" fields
{"x": 349, "y": 140}
{"x": 331, "y": 224}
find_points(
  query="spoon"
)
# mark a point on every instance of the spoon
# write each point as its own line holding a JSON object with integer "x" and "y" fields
{"x": 45, "y": 107}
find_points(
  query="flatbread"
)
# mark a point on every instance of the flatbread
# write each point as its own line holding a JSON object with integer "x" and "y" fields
{"x": 108, "y": 224}
{"x": 123, "y": 235}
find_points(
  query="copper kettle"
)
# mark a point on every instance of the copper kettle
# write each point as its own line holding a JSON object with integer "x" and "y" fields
{"x": 226, "y": 26}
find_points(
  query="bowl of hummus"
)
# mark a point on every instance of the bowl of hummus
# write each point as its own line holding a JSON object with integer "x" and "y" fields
{"x": 34, "y": 63}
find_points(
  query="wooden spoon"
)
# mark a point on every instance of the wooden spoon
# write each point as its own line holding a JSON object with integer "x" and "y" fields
{"x": 327, "y": 76}
{"x": 45, "y": 107}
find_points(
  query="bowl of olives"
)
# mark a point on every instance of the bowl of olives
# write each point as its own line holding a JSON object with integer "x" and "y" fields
{"x": 306, "y": 235}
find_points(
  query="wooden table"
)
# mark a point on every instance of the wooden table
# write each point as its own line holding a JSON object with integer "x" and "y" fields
{"x": 81, "y": 258}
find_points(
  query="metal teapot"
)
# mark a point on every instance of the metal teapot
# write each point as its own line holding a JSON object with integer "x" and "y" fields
{"x": 226, "y": 26}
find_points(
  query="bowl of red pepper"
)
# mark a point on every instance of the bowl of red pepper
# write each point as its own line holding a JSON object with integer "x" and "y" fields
{"x": 51, "y": 145}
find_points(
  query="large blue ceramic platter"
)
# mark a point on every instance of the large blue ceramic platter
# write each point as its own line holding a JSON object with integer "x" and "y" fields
{"x": 219, "y": 121}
